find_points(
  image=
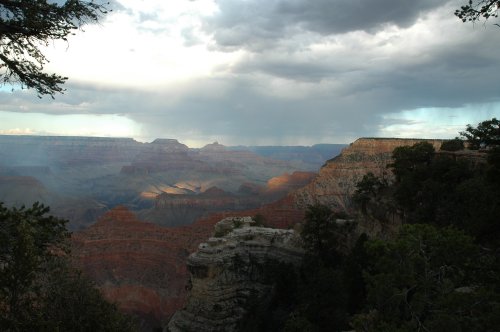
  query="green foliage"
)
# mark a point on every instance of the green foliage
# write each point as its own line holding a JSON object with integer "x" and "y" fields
{"x": 440, "y": 273}
{"x": 271, "y": 313}
{"x": 412, "y": 159}
{"x": 39, "y": 291}
{"x": 320, "y": 233}
{"x": 367, "y": 189}
{"x": 259, "y": 220}
{"x": 476, "y": 10}
{"x": 452, "y": 145}
{"x": 298, "y": 323}
{"x": 28, "y": 25}
{"x": 237, "y": 223}
{"x": 331, "y": 287}
{"x": 29, "y": 240}
{"x": 221, "y": 232}
{"x": 323, "y": 297}
{"x": 71, "y": 302}
{"x": 449, "y": 191}
{"x": 429, "y": 279}
{"x": 486, "y": 133}
{"x": 493, "y": 172}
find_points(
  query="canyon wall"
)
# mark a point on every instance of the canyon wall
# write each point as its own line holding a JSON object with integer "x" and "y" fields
{"x": 337, "y": 179}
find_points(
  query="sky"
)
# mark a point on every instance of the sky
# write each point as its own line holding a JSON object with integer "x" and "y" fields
{"x": 267, "y": 72}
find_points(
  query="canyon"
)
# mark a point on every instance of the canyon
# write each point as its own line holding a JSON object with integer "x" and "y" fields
{"x": 120, "y": 249}
{"x": 164, "y": 182}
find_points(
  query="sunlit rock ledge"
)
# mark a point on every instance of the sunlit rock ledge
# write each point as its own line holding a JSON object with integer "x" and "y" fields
{"x": 232, "y": 270}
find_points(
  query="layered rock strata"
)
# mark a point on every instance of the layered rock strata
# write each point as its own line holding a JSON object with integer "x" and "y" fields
{"x": 185, "y": 208}
{"x": 232, "y": 271}
{"x": 138, "y": 265}
{"x": 337, "y": 179}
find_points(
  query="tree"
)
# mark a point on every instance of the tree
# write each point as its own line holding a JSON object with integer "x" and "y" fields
{"x": 430, "y": 279}
{"x": 321, "y": 234}
{"x": 39, "y": 290}
{"x": 27, "y": 25}
{"x": 455, "y": 144}
{"x": 367, "y": 189}
{"x": 411, "y": 158}
{"x": 486, "y": 133}
{"x": 476, "y": 10}
{"x": 326, "y": 291}
{"x": 28, "y": 241}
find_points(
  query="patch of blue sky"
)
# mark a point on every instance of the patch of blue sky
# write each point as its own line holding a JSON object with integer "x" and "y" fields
{"x": 437, "y": 122}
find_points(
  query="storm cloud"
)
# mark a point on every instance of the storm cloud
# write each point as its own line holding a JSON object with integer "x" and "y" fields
{"x": 280, "y": 72}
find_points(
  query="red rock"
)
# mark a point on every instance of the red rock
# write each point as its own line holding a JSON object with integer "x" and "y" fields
{"x": 138, "y": 265}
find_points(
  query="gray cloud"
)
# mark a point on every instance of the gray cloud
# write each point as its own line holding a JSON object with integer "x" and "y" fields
{"x": 304, "y": 80}
{"x": 259, "y": 25}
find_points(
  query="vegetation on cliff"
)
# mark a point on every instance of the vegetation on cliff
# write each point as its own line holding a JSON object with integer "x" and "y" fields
{"x": 439, "y": 272}
{"x": 39, "y": 290}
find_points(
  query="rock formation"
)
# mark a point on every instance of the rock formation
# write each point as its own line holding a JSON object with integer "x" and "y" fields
{"x": 230, "y": 274}
{"x": 142, "y": 266}
{"x": 337, "y": 179}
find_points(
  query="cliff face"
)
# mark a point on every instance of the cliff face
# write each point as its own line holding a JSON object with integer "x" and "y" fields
{"x": 140, "y": 266}
{"x": 229, "y": 274}
{"x": 337, "y": 179}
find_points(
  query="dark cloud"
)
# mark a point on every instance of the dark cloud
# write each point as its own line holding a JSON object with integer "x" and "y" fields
{"x": 259, "y": 24}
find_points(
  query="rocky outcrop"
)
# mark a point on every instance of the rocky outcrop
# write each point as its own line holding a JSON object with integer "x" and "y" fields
{"x": 337, "y": 179}
{"x": 230, "y": 274}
